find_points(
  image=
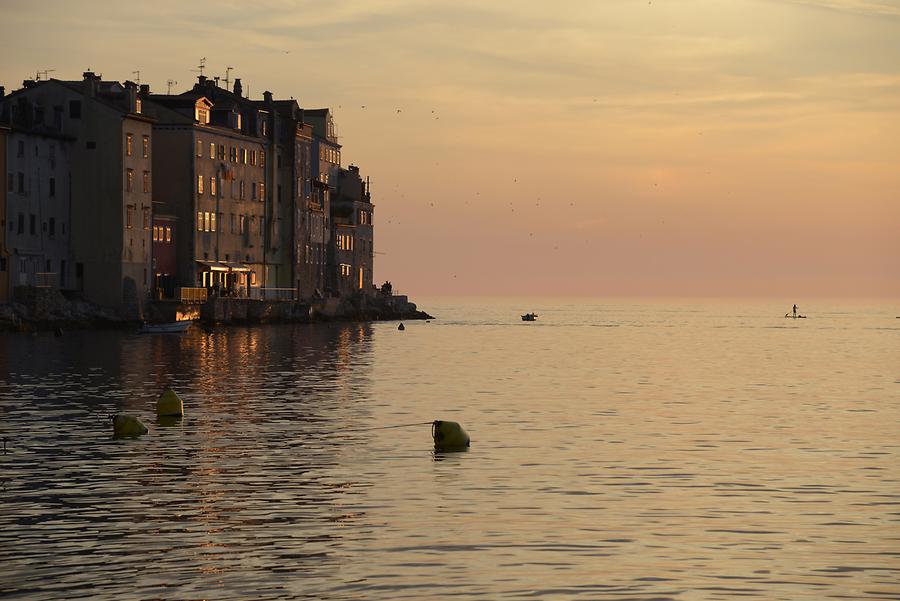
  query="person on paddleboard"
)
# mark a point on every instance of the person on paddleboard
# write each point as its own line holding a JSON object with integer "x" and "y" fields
{"x": 795, "y": 311}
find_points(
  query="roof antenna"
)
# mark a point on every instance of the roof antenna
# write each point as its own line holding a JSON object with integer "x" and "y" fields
{"x": 138, "y": 73}
{"x": 228, "y": 71}
{"x": 171, "y": 83}
{"x": 37, "y": 76}
{"x": 201, "y": 66}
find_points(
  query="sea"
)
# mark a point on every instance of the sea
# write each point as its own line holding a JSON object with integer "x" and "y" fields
{"x": 620, "y": 450}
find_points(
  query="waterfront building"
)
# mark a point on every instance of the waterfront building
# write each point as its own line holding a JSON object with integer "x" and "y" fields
{"x": 165, "y": 259}
{"x": 325, "y": 165}
{"x": 85, "y": 163}
{"x": 353, "y": 250}
{"x": 210, "y": 156}
{"x": 4, "y": 251}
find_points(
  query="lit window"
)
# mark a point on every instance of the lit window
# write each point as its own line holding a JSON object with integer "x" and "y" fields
{"x": 129, "y": 144}
{"x": 221, "y": 153}
{"x": 147, "y": 181}
{"x": 252, "y": 190}
{"x": 199, "y": 184}
{"x": 212, "y": 150}
{"x": 202, "y": 115}
{"x": 138, "y": 105}
{"x": 199, "y": 148}
{"x": 146, "y": 147}
{"x": 212, "y": 186}
{"x": 129, "y": 216}
{"x": 262, "y": 191}
{"x": 253, "y": 157}
{"x": 129, "y": 180}
{"x": 212, "y": 222}
{"x": 146, "y": 217}
{"x": 168, "y": 233}
{"x": 262, "y": 158}
{"x": 199, "y": 221}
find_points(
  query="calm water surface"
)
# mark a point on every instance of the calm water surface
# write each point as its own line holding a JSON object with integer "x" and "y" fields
{"x": 619, "y": 451}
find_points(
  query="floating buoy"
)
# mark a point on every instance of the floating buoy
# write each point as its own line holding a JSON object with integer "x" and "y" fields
{"x": 127, "y": 425}
{"x": 169, "y": 404}
{"x": 449, "y": 436}
{"x": 401, "y": 327}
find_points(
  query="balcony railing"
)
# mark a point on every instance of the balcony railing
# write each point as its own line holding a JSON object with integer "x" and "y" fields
{"x": 274, "y": 294}
{"x": 45, "y": 279}
{"x": 192, "y": 295}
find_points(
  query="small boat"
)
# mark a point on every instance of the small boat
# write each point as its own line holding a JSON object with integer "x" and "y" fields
{"x": 175, "y": 327}
{"x": 789, "y": 316}
{"x": 529, "y": 317}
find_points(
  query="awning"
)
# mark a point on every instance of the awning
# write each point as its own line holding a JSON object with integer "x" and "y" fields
{"x": 236, "y": 267}
{"x": 213, "y": 266}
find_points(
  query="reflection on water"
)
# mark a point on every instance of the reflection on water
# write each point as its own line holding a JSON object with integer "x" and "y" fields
{"x": 680, "y": 451}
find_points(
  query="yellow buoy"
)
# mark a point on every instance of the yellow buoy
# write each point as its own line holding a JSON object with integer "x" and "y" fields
{"x": 127, "y": 425}
{"x": 449, "y": 436}
{"x": 169, "y": 404}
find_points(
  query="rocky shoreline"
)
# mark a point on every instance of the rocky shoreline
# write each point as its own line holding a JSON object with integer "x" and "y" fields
{"x": 40, "y": 309}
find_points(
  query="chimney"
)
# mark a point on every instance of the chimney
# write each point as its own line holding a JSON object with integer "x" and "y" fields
{"x": 2, "y": 91}
{"x": 90, "y": 83}
{"x": 28, "y": 83}
{"x": 238, "y": 88}
{"x": 130, "y": 96}
{"x": 145, "y": 89}
{"x": 267, "y": 97}
{"x": 216, "y": 80}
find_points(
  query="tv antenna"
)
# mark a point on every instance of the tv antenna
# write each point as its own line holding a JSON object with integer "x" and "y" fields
{"x": 201, "y": 66}
{"x": 171, "y": 83}
{"x": 228, "y": 71}
{"x": 138, "y": 78}
{"x": 37, "y": 75}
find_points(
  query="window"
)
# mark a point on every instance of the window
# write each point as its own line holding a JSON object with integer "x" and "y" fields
{"x": 243, "y": 223}
{"x": 345, "y": 269}
{"x": 202, "y": 115}
{"x": 199, "y": 184}
{"x": 278, "y": 194}
{"x": 147, "y": 182}
{"x": 146, "y": 217}
{"x": 21, "y": 228}
{"x": 129, "y": 144}
{"x": 52, "y": 187}
{"x": 262, "y": 191}
{"x": 212, "y": 150}
{"x": 52, "y": 231}
{"x": 155, "y": 233}
{"x": 129, "y": 216}
{"x": 253, "y": 158}
{"x": 145, "y": 148}
{"x": 168, "y": 233}
{"x": 212, "y": 222}
{"x": 221, "y": 152}
{"x": 233, "y": 224}
{"x": 74, "y": 109}
{"x": 232, "y": 154}
{"x": 244, "y": 155}
{"x": 199, "y": 148}
{"x": 212, "y": 186}
{"x": 242, "y": 193}
{"x": 138, "y": 105}
{"x": 129, "y": 180}
{"x": 10, "y": 182}
{"x": 199, "y": 221}
{"x": 262, "y": 158}
{"x": 252, "y": 190}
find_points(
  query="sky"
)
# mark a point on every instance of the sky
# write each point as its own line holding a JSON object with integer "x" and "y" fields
{"x": 605, "y": 148}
